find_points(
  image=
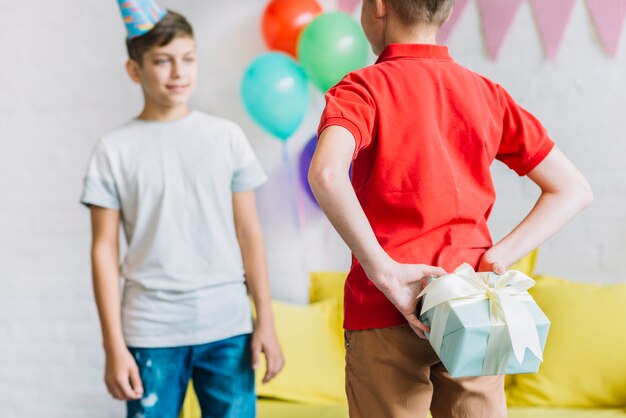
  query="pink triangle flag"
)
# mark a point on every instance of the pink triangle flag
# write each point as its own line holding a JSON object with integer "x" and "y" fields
{"x": 497, "y": 18}
{"x": 446, "y": 29}
{"x": 608, "y": 16}
{"x": 348, "y": 6}
{"x": 552, "y": 18}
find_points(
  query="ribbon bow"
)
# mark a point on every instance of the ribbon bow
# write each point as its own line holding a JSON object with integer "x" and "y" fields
{"x": 512, "y": 326}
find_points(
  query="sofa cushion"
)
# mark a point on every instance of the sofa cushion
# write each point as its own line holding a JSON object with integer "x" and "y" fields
{"x": 585, "y": 355}
{"x": 326, "y": 285}
{"x": 527, "y": 264}
{"x": 278, "y": 409}
{"x": 314, "y": 354}
{"x": 270, "y": 408}
{"x": 565, "y": 413}
{"x": 329, "y": 285}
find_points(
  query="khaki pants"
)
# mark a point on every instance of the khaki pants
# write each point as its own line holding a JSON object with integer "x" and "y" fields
{"x": 392, "y": 373}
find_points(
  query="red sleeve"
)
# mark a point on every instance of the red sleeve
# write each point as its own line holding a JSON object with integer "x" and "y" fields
{"x": 349, "y": 104}
{"x": 525, "y": 142}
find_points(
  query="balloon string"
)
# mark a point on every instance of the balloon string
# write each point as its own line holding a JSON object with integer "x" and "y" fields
{"x": 297, "y": 209}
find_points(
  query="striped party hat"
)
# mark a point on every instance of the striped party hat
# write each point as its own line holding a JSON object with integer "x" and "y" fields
{"x": 140, "y": 16}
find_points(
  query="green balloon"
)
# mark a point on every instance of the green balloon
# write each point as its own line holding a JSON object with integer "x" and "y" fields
{"x": 331, "y": 46}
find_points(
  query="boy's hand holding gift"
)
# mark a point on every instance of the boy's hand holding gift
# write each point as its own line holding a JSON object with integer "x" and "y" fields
{"x": 401, "y": 284}
{"x": 484, "y": 323}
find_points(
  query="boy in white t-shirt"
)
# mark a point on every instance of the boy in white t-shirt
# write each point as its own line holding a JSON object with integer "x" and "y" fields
{"x": 181, "y": 184}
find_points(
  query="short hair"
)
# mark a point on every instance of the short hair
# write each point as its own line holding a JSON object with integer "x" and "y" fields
{"x": 430, "y": 12}
{"x": 172, "y": 26}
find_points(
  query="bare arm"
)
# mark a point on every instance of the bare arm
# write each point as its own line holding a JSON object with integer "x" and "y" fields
{"x": 121, "y": 374}
{"x": 564, "y": 193}
{"x": 250, "y": 238}
{"x": 328, "y": 176}
{"x": 105, "y": 273}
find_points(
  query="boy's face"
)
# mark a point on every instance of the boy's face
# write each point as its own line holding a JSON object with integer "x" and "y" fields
{"x": 373, "y": 23}
{"x": 168, "y": 73}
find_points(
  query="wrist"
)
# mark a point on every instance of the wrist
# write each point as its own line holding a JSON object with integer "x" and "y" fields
{"x": 114, "y": 345}
{"x": 380, "y": 271}
{"x": 498, "y": 255}
{"x": 264, "y": 317}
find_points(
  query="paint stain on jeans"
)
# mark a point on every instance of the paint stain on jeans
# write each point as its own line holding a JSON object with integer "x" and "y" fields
{"x": 150, "y": 400}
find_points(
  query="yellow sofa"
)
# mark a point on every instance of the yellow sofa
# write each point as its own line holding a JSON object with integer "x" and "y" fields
{"x": 583, "y": 375}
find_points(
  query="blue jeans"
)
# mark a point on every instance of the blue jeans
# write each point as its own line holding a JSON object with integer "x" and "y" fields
{"x": 221, "y": 372}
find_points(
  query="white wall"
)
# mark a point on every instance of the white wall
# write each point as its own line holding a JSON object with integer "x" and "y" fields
{"x": 62, "y": 85}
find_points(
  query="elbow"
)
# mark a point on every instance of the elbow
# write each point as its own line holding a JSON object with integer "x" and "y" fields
{"x": 249, "y": 233}
{"x": 322, "y": 178}
{"x": 575, "y": 195}
{"x": 104, "y": 250}
{"x": 580, "y": 194}
{"x": 585, "y": 194}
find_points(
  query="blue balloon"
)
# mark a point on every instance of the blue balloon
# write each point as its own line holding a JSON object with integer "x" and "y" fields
{"x": 275, "y": 93}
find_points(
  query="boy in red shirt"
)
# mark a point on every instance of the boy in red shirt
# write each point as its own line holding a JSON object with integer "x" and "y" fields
{"x": 422, "y": 132}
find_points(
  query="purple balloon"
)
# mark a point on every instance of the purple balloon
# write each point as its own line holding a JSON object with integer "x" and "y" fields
{"x": 305, "y": 162}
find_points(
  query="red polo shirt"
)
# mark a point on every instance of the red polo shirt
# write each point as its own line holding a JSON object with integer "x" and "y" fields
{"x": 426, "y": 132}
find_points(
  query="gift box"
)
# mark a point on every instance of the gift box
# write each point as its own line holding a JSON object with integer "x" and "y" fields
{"x": 484, "y": 324}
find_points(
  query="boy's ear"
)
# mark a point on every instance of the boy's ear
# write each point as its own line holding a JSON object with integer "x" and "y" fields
{"x": 132, "y": 67}
{"x": 380, "y": 9}
{"x": 449, "y": 16}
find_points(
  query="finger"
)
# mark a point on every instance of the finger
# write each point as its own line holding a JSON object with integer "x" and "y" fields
{"x": 123, "y": 385}
{"x": 498, "y": 268}
{"x": 116, "y": 394}
{"x": 416, "y": 323}
{"x": 111, "y": 387}
{"x": 271, "y": 368}
{"x": 279, "y": 363}
{"x": 432, "y": 271}
{"x": 419, "y": 332}
{"x": 135, "y": 382}
{"x": 256, "y": 355}
{"x": 275, "y": 364}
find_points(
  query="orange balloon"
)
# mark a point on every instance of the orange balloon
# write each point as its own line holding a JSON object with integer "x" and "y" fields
{"x": 284, "y": 20}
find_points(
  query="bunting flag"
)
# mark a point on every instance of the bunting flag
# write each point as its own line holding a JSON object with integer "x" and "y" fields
{"x": 497, "y": 17}
{"x": 348, "y": 6}
{"x": 608, "y": 17}
{"x": 552, "y": 18}
{"x": 446, "y": 29}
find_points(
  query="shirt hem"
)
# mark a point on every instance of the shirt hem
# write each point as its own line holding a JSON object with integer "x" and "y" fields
{"x": 88, "y": 203}
{"x": 248, "y": 178}
{"x": 344, "y": 123}
{"x": 181, "y": 341}
{"x": 536, "y": 159}
{"x": 374, "y": 323}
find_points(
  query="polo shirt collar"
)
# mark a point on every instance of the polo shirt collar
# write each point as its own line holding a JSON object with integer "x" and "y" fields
{"x": 394, "y": 51}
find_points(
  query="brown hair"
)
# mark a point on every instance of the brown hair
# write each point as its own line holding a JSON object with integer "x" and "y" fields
{"x": 172, "y": 26}
{"x": 431, "y": 12}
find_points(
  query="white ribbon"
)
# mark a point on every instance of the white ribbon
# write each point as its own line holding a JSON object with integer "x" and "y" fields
{"x": 510, "y": 319}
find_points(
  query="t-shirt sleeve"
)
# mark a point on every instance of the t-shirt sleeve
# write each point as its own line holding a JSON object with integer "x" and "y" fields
{"x": 350, "y": 105}
{"x": 248, "y": 173}
{"x": 100, "y": 188}
{"x": 525, "y": 142}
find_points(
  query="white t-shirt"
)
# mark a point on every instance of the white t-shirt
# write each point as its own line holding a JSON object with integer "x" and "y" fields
{"x": 173, "y": 183}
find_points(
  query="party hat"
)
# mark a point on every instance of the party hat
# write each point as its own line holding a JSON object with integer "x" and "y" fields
{"x": 140, "y": 16}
